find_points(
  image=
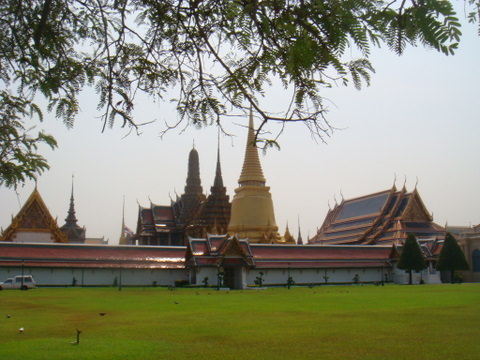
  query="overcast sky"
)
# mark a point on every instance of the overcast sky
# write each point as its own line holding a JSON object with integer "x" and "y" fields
{"x": 418, "y": 123}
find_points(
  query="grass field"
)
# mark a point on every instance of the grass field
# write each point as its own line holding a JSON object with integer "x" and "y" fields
{"x": 329, "y": 322}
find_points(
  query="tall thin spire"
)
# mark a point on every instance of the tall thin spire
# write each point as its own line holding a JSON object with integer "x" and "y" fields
{"x": 74, "y": 232}
{"x": 123, "y": 239}
{"x": 125, "y": 233}
{"x": 299, "y": 238}
{"x": 71, "y": 218}
{"x": 252, "y": 173}
{"x": 215, "y": 213}
{"x": 218, "y": 182}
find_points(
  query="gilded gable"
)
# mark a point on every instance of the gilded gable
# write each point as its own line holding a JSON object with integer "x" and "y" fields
{"x": 33, "y": 218}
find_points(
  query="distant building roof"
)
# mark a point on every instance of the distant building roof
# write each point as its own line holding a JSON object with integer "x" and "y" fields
{"x": 34, "y": 223}
{"x": 380, "y": 218}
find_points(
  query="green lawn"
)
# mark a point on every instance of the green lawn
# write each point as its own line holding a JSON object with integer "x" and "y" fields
{"x": 329, "y": 322}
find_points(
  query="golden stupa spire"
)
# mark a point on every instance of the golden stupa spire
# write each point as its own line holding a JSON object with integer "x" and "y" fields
{"x": 252, "y": 214}
{"x": 252, "y": 173}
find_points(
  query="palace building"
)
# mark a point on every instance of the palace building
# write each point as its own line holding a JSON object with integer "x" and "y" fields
{"x": 191, "y": 214}
{"x": 249, "y": 215}
{"x": 381, "y": 218}
{"x": 206, "y": 240}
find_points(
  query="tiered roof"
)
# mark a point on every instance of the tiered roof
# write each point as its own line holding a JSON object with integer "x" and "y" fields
{"x": 380, "y": 218}
{"x": 156, "y": 225}
{"x": 218, "y": 250}
{"x": 74, "y": 232}
{"x": 191, "y": 214}
{"x": 34, "y": 217}
{"x": 215, "y": 214}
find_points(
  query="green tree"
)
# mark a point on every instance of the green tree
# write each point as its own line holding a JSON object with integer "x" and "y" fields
{"x": 214, "y": 56}
{"x": 411, "y": 257}
{"x": 451, "y": 257}
{"x": 18, "y": 147}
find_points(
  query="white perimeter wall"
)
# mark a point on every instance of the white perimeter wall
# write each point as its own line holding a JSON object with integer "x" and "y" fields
{"x": 317, "y": 276}
{"x": 197, "y": 276}
{"x": 98, "y": 277}
{"x": 428, "y": 276}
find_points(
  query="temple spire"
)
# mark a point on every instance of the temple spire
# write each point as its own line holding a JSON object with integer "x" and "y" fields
{"x": 194, "y": 184}
{"x": 123, "y": 238}
{"x": 74, "y": 232}
{"x": 192, "y": 199}
{"x": 71, "y": 219}
{"x": 252, "y": 173}
{"x": 299, "y": 238}
{"x": 218, "y": 182}
{"x": 215, "y": 214}
{"x": 252, "y": 214}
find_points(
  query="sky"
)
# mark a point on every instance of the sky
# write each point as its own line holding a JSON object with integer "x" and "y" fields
{"x": 417, "y": 124}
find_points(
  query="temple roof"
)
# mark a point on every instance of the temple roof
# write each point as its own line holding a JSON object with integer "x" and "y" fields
{"x": 214, "y": 215}
{"x": 379, "y": 218}
{"x": 218, "y": 250}
{"x": 34, "y": 217}
{"x": 156, "y": 218}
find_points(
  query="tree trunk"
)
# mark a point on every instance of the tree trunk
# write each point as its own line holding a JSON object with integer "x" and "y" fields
{"x": 409, "y": 277}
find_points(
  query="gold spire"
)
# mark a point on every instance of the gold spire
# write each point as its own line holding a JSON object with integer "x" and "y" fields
{"x": 252, "y": 214}
{"x": 252, "y": 173}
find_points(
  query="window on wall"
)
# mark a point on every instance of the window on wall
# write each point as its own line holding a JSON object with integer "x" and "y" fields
{"x": 476, "y": 260}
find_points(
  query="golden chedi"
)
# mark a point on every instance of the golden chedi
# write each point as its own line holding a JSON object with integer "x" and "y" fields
{"x": 252, "y": 214}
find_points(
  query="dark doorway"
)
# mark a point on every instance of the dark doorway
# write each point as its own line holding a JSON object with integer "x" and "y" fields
{"x": 229, "y": 278}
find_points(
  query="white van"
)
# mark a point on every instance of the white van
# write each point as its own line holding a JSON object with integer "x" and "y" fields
{"x": 23, "y": 282}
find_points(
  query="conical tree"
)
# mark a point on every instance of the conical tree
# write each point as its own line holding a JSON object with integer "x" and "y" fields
{"x": 411, "y": 257}
{"x": 451, "y": 257}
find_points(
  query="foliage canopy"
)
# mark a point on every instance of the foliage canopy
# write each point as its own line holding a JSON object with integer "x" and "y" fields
{"x": 208, "y": 56}
{"x": 18, "y": 148}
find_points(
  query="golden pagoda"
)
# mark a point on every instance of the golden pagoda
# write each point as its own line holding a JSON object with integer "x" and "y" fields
{"x": 252, "y": 214}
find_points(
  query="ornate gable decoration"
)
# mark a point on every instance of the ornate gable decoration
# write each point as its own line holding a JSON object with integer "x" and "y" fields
{"x": 416, "y": 210}
{"x": 33, "y": 217}
{"x": 232, "y": 248}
